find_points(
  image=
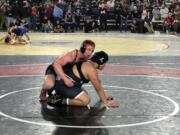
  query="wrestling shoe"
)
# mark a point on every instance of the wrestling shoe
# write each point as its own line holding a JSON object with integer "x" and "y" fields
{"x": 55, "y": 100}
{"x": 50, "y": 92}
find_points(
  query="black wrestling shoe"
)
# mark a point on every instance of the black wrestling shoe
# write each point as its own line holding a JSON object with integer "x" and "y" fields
{"x": 55, "y": 100}
{"x": 50, "y": 93}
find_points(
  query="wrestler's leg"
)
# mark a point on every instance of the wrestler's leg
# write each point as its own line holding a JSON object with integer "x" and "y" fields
{"x": 27, "y": 36}
{"x": 21, "y": 40}
{"x": 82, "y": 99}
{"x": 48, "y": 84}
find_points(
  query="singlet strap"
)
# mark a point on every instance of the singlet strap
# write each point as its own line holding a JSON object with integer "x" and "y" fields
{"x": 79, "y": 64}
{"x": 75, "y": 56}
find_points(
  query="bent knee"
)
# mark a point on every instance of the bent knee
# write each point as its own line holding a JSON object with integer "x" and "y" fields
{"x": 86, "y": 101}
{"x": 48, "y": 84}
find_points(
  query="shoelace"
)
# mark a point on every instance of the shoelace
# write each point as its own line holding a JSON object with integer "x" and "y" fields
{"x": 54, "y": 99}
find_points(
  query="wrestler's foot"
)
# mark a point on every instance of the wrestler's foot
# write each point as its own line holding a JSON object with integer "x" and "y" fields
{"x": 50, "y": 92}
{"x": 55, "y": 100}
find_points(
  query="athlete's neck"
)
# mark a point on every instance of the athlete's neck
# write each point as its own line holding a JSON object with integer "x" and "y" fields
{"x": 94, "y": 64}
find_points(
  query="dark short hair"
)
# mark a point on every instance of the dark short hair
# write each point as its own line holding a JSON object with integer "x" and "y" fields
{"x": 83, "y": 45}
{"x": 100, "y": 57}
{"x": 7, "y": 39}
{"x": 88, "y": 42}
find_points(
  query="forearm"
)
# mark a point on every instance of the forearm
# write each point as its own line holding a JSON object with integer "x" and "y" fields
{"x": 102, "y": 95}
{"x": 59, "y": 71}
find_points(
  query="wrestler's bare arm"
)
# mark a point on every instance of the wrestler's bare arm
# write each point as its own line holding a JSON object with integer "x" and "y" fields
{"x": 93, "y": 77}
{"x": 60, "y": 62}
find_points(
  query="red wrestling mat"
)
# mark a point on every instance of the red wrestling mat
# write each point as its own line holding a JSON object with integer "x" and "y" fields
{"x": 33, "y": 69}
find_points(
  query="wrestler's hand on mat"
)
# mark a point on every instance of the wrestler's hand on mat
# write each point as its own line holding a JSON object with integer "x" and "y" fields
{"x": 111, "y": 104}
{"x": 109, "y": 98}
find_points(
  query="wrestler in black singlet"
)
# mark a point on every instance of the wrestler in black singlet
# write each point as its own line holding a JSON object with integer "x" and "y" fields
{"x": 71, "y": 92}
{"x": 50, "y": 71}
{"x": 68, "y": 71}
{"x": 50, "y": 68}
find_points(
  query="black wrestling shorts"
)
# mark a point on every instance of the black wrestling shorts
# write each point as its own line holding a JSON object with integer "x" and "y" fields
{"x": 50, "y": 70}
{"x": 67, "y": 92}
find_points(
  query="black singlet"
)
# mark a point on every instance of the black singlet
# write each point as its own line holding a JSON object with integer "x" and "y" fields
{"x": 71, "y": 92}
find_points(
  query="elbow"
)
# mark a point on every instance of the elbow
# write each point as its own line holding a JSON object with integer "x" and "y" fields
{"x": 56, "y": 64}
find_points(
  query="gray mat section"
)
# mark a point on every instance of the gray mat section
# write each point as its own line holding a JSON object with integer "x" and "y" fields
{"x": 135, "y": 107}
